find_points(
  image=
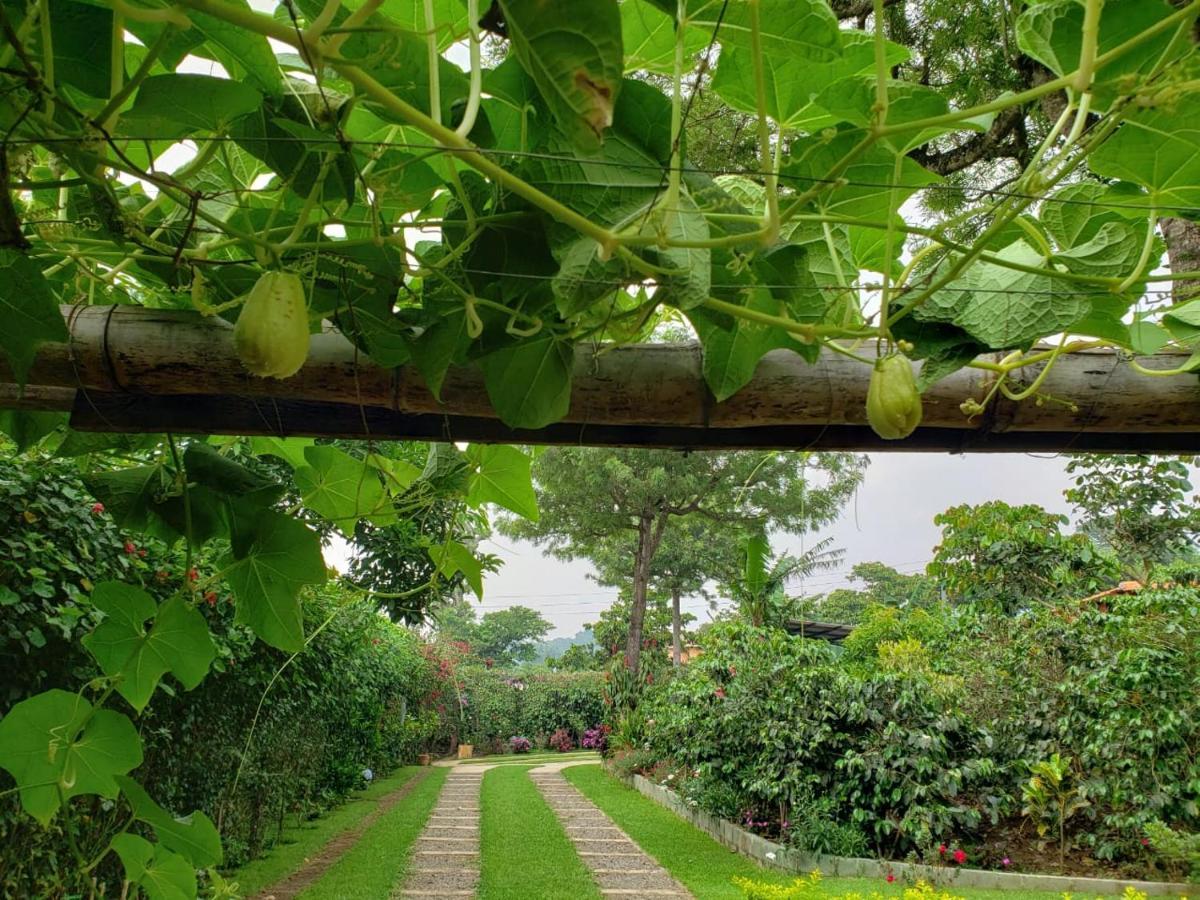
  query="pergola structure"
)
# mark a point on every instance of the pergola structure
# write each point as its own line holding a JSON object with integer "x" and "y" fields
{"x": 133, "y": 369}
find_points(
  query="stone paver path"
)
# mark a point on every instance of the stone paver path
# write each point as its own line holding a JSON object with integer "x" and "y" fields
{"x": 621, "y": 868}
{"x": 445, "y": 858}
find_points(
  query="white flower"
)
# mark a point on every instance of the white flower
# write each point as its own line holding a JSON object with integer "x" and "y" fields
{"x": 368, "y": 774}
{"x": 771, "y": 856}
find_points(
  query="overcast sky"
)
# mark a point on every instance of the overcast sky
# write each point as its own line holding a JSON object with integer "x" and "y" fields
{"x": 890, "y": 520}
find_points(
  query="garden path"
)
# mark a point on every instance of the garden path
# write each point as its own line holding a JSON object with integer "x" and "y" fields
{"x": 445, "y": 858}
{"x": 621, "y": 868}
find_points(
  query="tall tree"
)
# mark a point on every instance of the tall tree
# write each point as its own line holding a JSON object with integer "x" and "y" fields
{"x": 759, "y": 588}
{"x": 506, "y": 637}
{"x": 1139, "y": 506}
{"x": 596, "y": 501}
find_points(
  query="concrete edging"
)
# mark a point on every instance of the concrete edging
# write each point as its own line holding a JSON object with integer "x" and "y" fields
{"x": 776, "y": 856}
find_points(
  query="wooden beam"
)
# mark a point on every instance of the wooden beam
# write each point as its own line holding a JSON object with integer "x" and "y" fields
{"x": 145, "y": 368}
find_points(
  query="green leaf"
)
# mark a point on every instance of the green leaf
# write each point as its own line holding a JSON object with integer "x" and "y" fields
{"x": 648, "y": 36}
{"x": 1113, "y": 252}
{"x": 82, "y": 36}
{"x": 174, "y": 105}
{"x": 129, "y": 495}
{"x": 178, "y": 642}
{"x": 290, "y": 450}
{"x": 169, "y": 877}
{"x": 1073, "y": 215}
{"x": 452, "y": 557}
{"x": 27, "y": 426}
{"x": 282, "y": 556}
{"x": 56, "y": 743}
{"x": 574, "y": 54}
{"x": 806, "y": 29}
{"x": 135, "y": 854}
{"x": 502, "y": 476}
{"x": 194, "y": 837}
{"x": 792, "y": 84}
{"x": 731, "y": 354}
{"x": 529, "y": 384}
{"x": 1051, "y": 32}
{"x": 440, "y": 345}
{"x": 339, "y": 487}
{"x": 1158, "y": 149}
{"x": 28, "y": 310}
{"x": 1002, "y": 308}
{"x": 240, "y": 50}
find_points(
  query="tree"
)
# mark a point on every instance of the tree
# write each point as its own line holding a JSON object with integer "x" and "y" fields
{"x": 1014, "y": 556}
{"x": 1137, "y": 506}
{"x": 578, "y": 658}
{"x": 759, "y": 589}
{"x": 598, "y": 502}
{"x": 505, "y": 637}
{"x": 884, "y": 587}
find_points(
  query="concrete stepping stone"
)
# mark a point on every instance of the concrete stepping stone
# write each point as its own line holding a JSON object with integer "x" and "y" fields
{"x": 621, "y": 868}
{"x": 445, "y": 857}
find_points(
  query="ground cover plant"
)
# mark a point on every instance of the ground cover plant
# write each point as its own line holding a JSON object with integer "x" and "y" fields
{"x": 536, "y": 852}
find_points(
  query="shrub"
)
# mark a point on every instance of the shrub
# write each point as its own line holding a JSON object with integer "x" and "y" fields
{"x": 562, "y": 741}
{"x": 596, "y": 738}
{"x": 519, "y": 744}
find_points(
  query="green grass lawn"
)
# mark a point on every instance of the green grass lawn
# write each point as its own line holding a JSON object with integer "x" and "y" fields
{"x": 301, "y": 841}
{"x": 706, "y": 867}
{"x": 379, "y": 860}
{"x": 525, "y": 759}
{"x": 525, "y": 852}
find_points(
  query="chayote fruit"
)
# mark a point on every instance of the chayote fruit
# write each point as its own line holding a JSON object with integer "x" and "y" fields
{"x": 893, "y": 401}
{"x": 271, "y": 335}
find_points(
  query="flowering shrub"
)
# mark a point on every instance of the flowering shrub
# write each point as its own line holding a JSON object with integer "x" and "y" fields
{"x": 596, "y": 738}
{"x": 562, "y": 741}
{"x": 809, "y": 887}
{"x": 519, "y": 744}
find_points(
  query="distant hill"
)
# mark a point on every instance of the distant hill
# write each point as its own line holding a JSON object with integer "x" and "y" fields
{"x": 558, "y": 646}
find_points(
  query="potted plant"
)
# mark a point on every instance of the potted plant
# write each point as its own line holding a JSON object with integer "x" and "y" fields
{"x": 424, "y": 759}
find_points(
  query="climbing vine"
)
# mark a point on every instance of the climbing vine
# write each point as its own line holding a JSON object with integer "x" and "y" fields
{"x": 445, "y": 195}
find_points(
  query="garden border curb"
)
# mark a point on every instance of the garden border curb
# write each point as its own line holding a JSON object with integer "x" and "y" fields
{"x": 775, "y": 856}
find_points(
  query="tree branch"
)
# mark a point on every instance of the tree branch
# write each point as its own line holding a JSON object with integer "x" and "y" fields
{"x": 991, "y": 144}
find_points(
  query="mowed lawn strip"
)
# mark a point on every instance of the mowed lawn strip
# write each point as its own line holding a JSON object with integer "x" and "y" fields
{"x": 380, "y": 859}
{"x": 299, "y": 842}
{"x": 706, "y": 867}
{"x": 526, "y": 759}
{"x": 525, "y": 852}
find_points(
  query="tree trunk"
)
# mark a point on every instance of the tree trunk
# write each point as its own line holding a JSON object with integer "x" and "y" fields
{"x": 650, "y": 532}
{"x": 1183, "y": 252}
{"x": 676, "y": 636}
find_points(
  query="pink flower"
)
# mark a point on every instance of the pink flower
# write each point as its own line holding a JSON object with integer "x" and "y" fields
{"x": 1145, "y": 842}
{"x": 960, "y": 856}
{"x": 720, "y": 693}
{"x": 890, "y": 878}
{"x": 130, "y": 547}
{"x": 97, "y": 509}
{"x": 1006, "y": 862}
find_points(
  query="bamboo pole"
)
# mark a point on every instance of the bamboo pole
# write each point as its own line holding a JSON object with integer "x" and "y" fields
{"x": 129, "y": 357}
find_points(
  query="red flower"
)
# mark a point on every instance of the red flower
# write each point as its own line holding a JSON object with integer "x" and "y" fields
{"x": 97, "y": 509}
{"x": 142, "y": 554}
{"x": 960, "y": 856}
{"x": 210, "y": 597}
{"x": 890, "y": 877}
{"x": 720, "y": 692}
{"x": 1145, "y": 842}
{"x": 130, "y": 547}
{"x": 193, "y": 575}
{"x": 942, "y": 849}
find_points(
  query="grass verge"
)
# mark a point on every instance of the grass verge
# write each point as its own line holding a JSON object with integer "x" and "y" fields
{"x": 301, "y": 841}
{"x": 524, "y": 850}
{"x": 525, "y": 759}
{"x": 379, "y": 860}
{"x": 706, "y": 867}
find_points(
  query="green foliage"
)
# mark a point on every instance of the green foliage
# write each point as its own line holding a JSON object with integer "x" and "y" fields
{"x": 503, "y": 637}
{"x": 1051, "y": 797}
{"x": 1014, "y": 556}
{"x": 1180, "y": 850}
{"x": 1137, "y": 506}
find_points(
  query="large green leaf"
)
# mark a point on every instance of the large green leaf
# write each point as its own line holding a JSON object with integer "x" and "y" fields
{"x": 28, "y": 310}
{"x": 56, "y": 745}
{"x": 240, "y": 50}
{"x": 178, "y": 642}
{"x": 806, "y": 29}
{"x": 574, "y": 54}
{"x": 529, "y": 384}
{"x": 732, "y": 350}
{"x": 502, "y": 476}
{"x": 451, "y": 557}
{"x": 338, "y": 486}
{"x": 282, "y": 555}
{"x": 82, "y": 35}
{"x": 648, "y": 35}
{"x": 194, "y": 837}
{"x": 1051, "y": 32}
{"x": 174, "y": 105}
{"x": 1160, "y": 150}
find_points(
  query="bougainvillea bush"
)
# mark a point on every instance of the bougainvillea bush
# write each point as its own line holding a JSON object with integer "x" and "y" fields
{"x": 898, "y": 746}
